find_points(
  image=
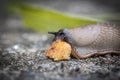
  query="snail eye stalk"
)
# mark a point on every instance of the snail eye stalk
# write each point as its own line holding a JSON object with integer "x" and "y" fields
{"x": 54, "y": 33}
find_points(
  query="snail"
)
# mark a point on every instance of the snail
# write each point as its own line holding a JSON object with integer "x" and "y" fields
{"x": 91, "y": 40}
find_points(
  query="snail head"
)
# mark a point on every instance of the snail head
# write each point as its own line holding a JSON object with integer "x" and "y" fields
{"x": 59, "y": 35}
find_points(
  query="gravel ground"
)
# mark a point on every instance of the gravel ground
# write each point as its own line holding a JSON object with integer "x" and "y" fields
{"x": 22, "y": 57}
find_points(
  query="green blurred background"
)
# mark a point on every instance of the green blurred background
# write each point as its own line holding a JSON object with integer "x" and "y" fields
{"x": 52, "y": 15}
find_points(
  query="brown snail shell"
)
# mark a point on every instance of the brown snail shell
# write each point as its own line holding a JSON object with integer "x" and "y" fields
{"x": 91, "y": 40}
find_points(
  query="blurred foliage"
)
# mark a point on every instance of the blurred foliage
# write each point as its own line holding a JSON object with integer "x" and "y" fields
{"x": 45, "y": 20}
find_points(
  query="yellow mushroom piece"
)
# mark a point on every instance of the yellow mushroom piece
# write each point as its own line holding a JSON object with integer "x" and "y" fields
{"x": 59, "y": 50}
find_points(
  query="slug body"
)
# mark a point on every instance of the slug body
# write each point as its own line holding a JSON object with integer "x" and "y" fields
{"x": 92, "y": 40}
